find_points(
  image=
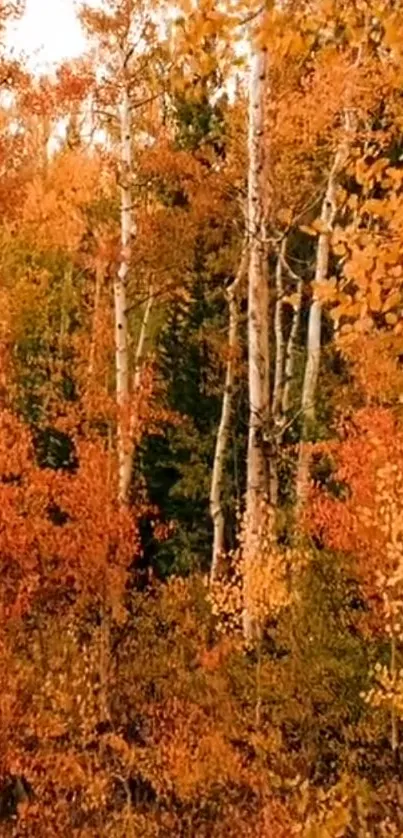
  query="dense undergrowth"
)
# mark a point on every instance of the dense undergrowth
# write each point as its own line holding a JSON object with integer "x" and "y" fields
{"x": 161, "y": 724}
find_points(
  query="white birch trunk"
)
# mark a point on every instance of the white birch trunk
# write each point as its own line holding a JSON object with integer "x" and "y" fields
{"x": 258, "y": 338}
{"x": 139, "y": 356}
{"x": 327, "y": 218}
{"x": 119, "y": 288}
{"x": 279, "y": 372}
{"x": 138, "y": 368}
{"x": 278, "y": 386}
{"x": 289, "y": 372}
{"x": 218, "y": 475}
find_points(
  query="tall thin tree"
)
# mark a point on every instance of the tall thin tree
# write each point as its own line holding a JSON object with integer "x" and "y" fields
{"x": 258, "y": 326}
{"x": 220, "y": 454}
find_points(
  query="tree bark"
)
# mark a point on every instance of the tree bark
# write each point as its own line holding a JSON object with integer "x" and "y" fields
{"x": 278, "y": 385}
{"x": 138, "y": 368}
{"x": 139, "y": 356}
{"x": 289, "y": 372}
{"x": 327, "y": 218}
{"x": 258, "y": 338}
{"x": 119, "y": 288}
{"x": 218, "y": 475}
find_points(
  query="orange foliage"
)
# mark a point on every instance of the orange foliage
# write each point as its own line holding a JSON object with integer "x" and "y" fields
{"x": 61, "y": 534}
{"x": 368, "y": 467}
{"x": 140, "y": 714}
{"x": 53, "y": 213}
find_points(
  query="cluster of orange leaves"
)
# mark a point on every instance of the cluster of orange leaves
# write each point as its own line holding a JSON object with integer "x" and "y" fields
{"x": 351, "y": 514}
{"x": 41, "y": 559}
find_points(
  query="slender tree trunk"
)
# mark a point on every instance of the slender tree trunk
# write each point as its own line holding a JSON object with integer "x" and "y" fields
{"x": 291, "y": 354}
{"x": 278, "y": 385}
{"x": 327, "y": 218}
{"x": 139, "y": 356}
{"x": 284, "y": 365}
{"x": 218, "y": 476}
{"x": 119, "y": 288}
{"x": 258, "y": 339}
{"x": 138, "y": 367}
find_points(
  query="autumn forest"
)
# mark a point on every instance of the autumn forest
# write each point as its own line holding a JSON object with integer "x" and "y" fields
{"x": 201, "y": 424}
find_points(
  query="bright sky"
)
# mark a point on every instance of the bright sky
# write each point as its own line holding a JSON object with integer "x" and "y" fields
{"x": 48, "y": 33}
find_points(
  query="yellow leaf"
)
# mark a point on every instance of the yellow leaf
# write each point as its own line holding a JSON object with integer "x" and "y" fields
{"x": 293, "y": 300}
{"x": 339, "y": 249}
{"x": 310, "y": 231}
{"x": 285, "y": 216}
{"x": 374, "y": 300}
{"x": 392, "y": 300}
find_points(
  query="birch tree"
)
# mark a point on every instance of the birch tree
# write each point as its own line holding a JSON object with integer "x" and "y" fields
{"x": 258, "y": 327}
{"x": 279, "y": 370}
{"x": 327, "y": 219}
{"x": 126, "y": 36}
{"x": 285, "y": 357}
{"x": 218, "y": 475}
{"x": 291, "y": 350}
{"x": 120, "y": 296}
{"x": 348, "y": 114}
